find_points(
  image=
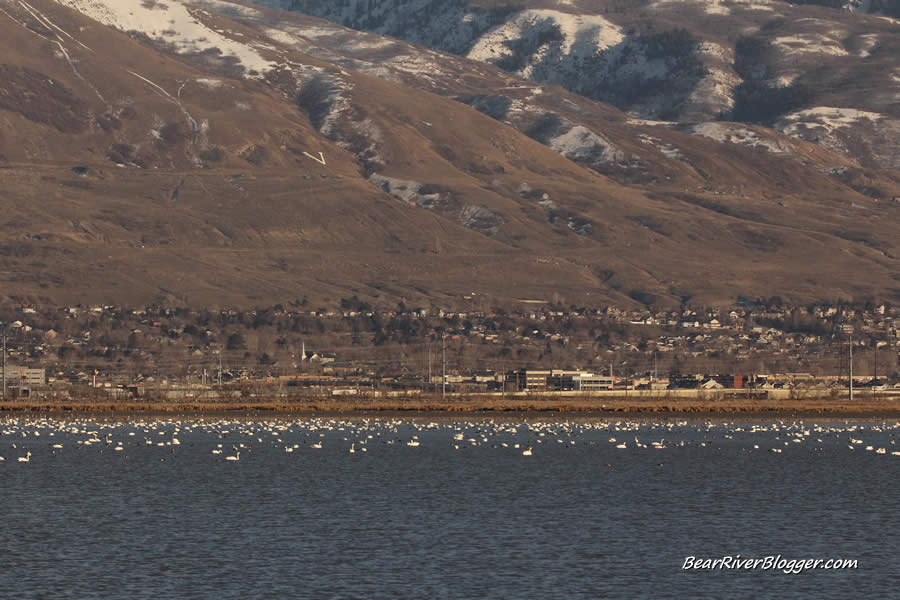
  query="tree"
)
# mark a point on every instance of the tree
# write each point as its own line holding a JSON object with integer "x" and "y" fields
{"x": 236, "y": 341}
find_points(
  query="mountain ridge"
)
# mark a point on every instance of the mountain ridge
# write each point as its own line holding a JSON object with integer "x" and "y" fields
{"x": 692, "y": 61}
{"x": 187, "y": 168}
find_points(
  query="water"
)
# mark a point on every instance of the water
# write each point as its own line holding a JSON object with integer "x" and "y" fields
{"x": 449, "y": 518}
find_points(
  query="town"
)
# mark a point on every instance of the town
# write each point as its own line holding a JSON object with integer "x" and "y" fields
{"x": 533, "y": 347}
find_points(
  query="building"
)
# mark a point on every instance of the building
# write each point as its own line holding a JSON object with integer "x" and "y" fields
{"x": 23, "y": 376}
{"x": 530, "y": 380}
{"x": 587, "y": 382}
{"x": 563, "y": 381}
{"x": 558, "y": 380}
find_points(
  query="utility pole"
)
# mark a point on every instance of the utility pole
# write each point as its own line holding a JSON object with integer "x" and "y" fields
{"x": 220, "y": 368}
{"x": 875, "y": 377}
{"x": 443, "y": 369}
{"x": 4, "y": 361}
{"x": 851, "y": 367}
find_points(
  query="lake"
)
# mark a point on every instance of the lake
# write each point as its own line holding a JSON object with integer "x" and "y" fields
{"x": 439, "y": 507}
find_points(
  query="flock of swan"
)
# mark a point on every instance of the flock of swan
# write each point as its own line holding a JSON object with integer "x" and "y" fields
{"x": 22, "y": 439}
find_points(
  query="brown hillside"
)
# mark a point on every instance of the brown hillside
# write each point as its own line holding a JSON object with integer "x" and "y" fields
{"x": 134, "y": 171}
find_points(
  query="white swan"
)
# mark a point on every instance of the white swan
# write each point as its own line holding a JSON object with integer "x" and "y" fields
{"x": 235, "y": 457}
{"x": 25, "y": 458}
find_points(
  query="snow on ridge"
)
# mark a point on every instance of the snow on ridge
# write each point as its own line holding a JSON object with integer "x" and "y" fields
{"x": 582, "y": 34}
{"x": 170, "y": 22}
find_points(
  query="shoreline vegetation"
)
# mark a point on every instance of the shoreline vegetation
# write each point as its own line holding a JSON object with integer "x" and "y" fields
{"x": 864, "y": 404}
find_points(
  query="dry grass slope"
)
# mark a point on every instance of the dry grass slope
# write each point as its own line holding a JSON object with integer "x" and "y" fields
{"x": 132, "y": 173}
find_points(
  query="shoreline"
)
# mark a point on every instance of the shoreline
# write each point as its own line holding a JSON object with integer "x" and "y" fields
{"x": 868, "y": 407}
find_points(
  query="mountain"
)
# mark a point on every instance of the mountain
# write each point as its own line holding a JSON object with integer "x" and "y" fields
{"x": 170, "y": 151}
{"x": 806, "y": 69}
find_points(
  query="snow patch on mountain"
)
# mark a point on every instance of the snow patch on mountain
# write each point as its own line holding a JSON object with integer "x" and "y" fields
{"x": 786, "y": 79}
{"x": 867, "y": 42}
{"x": 650, "y": 122}
{"x": 173, "y": 23}
{"x": 212, "y": 84}
{"x": 734, "y": 133}
{"x": 828, "y": 117}
{"x": 449, "y": 25}
{"x": 714, "y": 93}
{"x": 229, "y": 9}
{"x": 403, "y": 189}
{"x": 480, "y": 219}
{"x": 582, "y": 35}
{"x": 668, "y": 150}
{"x": 350, "y": 41}
{"x": 811, "y": 43}
{"x": 716, "y": 7}
{"x": 845, "y": 130}
{"x": 355, "y": 50}
{"x": 471, "y": 216}
{"x": 582, "y": 144}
